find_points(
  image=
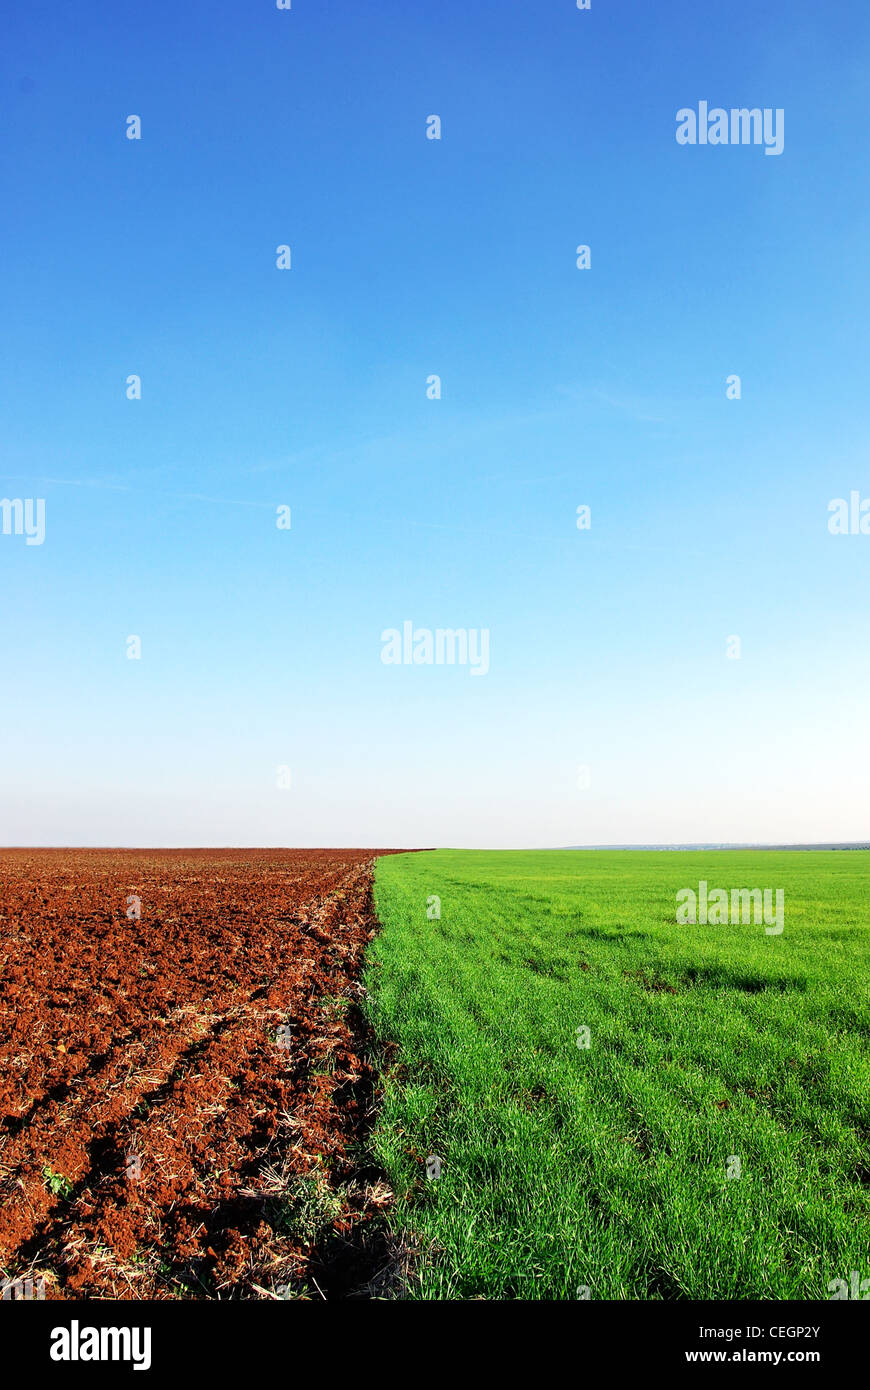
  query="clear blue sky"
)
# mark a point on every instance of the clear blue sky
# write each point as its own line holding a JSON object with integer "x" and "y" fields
{"x": 261, "y": 648}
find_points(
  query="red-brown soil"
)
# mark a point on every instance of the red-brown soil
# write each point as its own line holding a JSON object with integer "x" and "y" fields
{"x": 181, "y": 1095}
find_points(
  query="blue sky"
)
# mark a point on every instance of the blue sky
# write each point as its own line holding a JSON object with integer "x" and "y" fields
{"x": 261, "y": 648}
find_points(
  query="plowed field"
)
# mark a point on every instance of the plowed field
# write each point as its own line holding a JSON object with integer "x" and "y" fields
{"x": 181, "y": 1078}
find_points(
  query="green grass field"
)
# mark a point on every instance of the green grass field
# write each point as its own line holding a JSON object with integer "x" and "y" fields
{"x": 606, "y": 1167}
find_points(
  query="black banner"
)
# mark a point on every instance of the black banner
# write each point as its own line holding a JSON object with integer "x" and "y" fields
{"x": 64, "y": 1339}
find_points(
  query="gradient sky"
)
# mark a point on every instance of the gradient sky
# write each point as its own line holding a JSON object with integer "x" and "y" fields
{"x": 261, "y": 648}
